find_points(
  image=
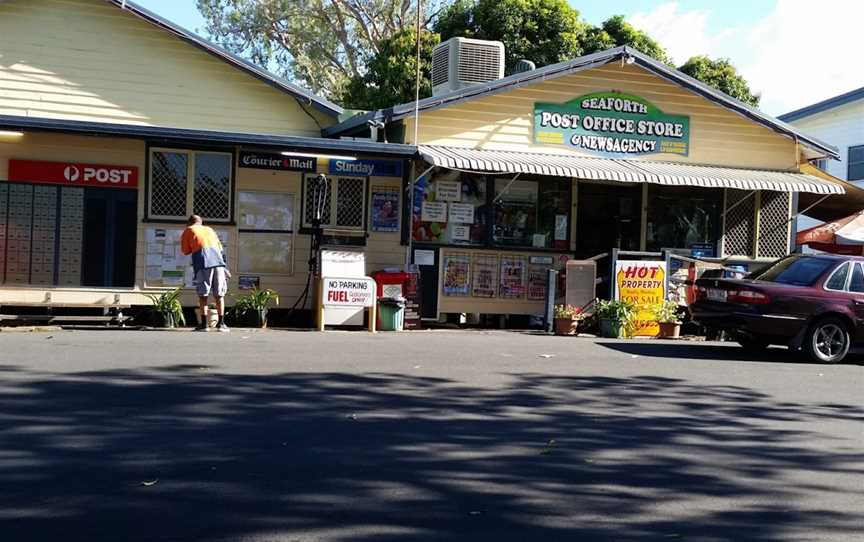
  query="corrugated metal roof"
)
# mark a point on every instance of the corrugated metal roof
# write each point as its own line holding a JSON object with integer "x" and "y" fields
{"x": 573, "y": 66}
{"x": 178, "y": 135}
{"x": 633, "y": 171}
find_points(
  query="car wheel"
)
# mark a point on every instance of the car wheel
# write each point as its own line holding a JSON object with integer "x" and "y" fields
{"x": 752, "y": 344}
{"x": 827, "y": 340}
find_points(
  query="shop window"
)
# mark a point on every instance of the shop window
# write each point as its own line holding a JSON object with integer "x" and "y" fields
{"x": 856, "y": 163}
{"x": 172, "y": 197}
{"x": 344, "y": 203}
{"x": 531, "y": 213}
{"x": 450, "y": 208}
{"x": 683, "y": 217}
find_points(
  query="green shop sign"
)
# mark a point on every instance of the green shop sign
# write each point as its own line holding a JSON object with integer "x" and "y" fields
{"x": 613, "y": 124}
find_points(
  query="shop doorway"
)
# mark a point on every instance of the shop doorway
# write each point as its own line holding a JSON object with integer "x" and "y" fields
{"x": 108, "y": 246}
{"x": 608, "y": 216}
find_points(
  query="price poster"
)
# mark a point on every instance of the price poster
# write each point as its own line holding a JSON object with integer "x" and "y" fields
{"x": 385, "y": 209}
{"x": 512, "y": 284}
{"x": 457, "y": 269}
{"x": 485, "y": 280}
{"x": 537, "y": 282}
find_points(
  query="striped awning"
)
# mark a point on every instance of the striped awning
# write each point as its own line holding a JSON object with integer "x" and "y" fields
{"x": 625, "y": 170}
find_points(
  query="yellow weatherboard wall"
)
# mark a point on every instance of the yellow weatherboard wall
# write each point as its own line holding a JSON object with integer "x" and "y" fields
{"x": 88, "y": 60}
{"x": 505, "y": 121}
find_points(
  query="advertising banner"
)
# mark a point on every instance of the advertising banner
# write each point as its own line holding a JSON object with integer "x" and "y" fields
{"x": 457, "y": 275}
{"x": 277, "y": 162}
{"x": 385, "y": 209}
{"x": 365, "y": 168}
{"x": 643, "y": 283}
{"x": 611, "y": 124}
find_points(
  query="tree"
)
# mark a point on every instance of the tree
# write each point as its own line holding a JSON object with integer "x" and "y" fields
{"x": 390, "y": 76}
{"x": 319, "y": 44}
{"x": 722, "y": 75}
{"x": 615, "y": 32}
{"x": 543, "y": 31}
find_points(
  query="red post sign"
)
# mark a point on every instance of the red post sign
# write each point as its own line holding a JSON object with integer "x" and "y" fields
{"x": 73, "y": 173}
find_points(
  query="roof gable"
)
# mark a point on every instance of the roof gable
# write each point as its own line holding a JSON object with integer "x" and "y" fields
{"x": 824, "y": 105}
{"x": 623, "y": 54}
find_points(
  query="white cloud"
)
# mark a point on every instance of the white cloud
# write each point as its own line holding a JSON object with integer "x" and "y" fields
{"x": 797, "y": 54}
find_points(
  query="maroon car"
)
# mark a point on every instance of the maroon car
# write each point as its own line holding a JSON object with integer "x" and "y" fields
{"x": 813, "y": 303}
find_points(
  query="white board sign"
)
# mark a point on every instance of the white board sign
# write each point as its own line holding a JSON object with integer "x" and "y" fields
{"x": 461, "y": 233}
{"x": 433, "y": 211}
{"x": 349, "y": 292}
{"x": 462, "y": 213}
{"x": 448, "y": 190}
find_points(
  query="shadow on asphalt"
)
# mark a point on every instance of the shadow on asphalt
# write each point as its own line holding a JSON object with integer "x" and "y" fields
{"x": 395, "y": 457}
{"x": 712, "y": 351}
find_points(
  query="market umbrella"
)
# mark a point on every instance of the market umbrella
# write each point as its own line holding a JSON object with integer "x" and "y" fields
{"x": 842, "y": 236}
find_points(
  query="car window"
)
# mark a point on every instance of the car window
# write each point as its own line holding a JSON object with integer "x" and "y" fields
{"x": 837, "y": 281}
{"x": 857, "y": 283}
{"x": 799, "y": 271}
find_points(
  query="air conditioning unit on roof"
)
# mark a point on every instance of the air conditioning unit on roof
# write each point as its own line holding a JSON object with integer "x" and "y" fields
{"x": 462, "y": 62}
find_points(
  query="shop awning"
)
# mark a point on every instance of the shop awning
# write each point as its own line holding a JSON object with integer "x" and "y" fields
{"x": 631, "y": 171}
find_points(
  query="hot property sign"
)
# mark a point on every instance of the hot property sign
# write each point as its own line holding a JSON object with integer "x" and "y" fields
{"x": 611, "y": 124}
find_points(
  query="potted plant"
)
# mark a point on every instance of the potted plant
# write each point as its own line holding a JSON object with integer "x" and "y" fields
{"x": 167, "y": 310}
{"x": 668, "y": 317}
{"x": 616, "y": 317}
{"x": 567, "y": 318}
{"x": 252, "y": 307}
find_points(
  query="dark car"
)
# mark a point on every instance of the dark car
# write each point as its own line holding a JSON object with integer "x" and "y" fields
{"x": 813, "y": 303}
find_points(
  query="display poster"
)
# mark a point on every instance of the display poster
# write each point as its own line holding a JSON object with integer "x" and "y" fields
{"x": 461, "y": 233}
{"x": 166, "y": 266}
{"x": 457, "y": 269}
{"x": 448, "y": 190}
{"x": 485, "y": 279}
{"x": 611, "y": 124}
{"x": 424, "y": 257}
{"x": 560, "y": 227}
{"x": 462, "y": 213}
{"x": 412, "y": 295}
{"x": 248, "y": 282}
{"x": 537, "y": 275}
{"x": 267, "y": 211}
{"x": 643, "y": 283}
{"x": 385, "y": 209}
{"x": 512, "y": 283}
{"x": 434, "y": 211}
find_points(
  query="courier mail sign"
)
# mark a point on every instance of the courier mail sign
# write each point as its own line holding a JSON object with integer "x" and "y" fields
{"x": 611, "y": 124}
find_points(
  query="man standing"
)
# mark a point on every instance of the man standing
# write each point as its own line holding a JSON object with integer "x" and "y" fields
{"x": 208, "y": 263}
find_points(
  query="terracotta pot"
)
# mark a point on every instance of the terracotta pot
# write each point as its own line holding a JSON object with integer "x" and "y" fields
{"x": 566, "y": 326}
{"x": 669, "y": 330}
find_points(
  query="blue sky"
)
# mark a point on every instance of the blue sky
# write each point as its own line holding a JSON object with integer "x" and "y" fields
{"x": 778, "y": 45}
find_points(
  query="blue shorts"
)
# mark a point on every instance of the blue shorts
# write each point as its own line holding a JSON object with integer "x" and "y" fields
{"x": 211, "y": 281}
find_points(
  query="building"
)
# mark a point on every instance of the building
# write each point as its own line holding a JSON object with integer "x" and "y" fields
{"x": 115, "y": 125}
{"x": 611, "y": 150}
{"x": 839, "y": 121}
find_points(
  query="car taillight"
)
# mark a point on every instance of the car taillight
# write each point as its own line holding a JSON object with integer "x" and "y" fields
{"x": 701, "y": 292}
{"x": 748, "y": 297}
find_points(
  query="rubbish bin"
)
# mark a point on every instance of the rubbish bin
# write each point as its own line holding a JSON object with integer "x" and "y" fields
{"x": 391, "y": 311}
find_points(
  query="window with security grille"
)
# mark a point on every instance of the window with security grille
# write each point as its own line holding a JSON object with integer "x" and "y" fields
{"x": 344, "y": 203}
{"x": 212, "y": 186}
{"x": 774, "y": 224}
{"x": 739, "y": 223}
{"x": 187, "y": 182}
{"x": 168, "y": 180}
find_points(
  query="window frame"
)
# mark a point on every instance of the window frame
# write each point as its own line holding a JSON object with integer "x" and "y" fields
{"x": 856, "y": 265}
{"x": 332, "y": 226}
{"x": 857, "y": 163}
{"x": 191, "y": 152}
{"x": 845, "y": 265}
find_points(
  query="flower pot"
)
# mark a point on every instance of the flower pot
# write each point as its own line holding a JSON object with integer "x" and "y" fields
{"x": 611, "y": 329}
{"x": 162, "y": 319}
{"x": 566, "y": 326}
{"x": 669, "y": 330}
{"x": 255, "y": 318}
